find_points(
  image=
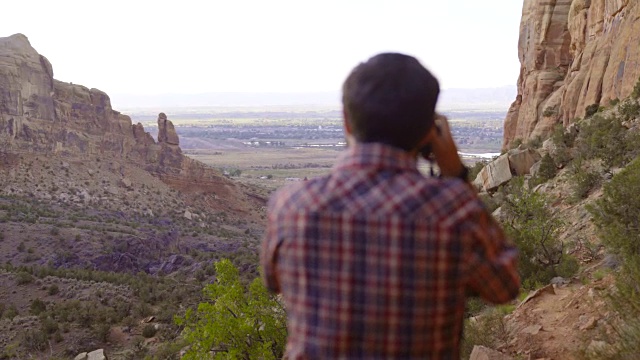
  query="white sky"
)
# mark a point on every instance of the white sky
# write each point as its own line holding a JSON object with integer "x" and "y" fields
{"x": 188, "y": 46}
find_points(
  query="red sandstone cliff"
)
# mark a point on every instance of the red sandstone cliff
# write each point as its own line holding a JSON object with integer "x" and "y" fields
{"x": 41, "y": 115}
{"x": 573, "y": 53}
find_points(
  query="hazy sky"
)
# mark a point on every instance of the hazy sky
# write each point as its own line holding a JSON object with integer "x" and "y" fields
{"x": 188, "y": 46}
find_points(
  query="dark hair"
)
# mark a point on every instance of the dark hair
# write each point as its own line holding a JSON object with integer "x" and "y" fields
{"x": 391, "y": 99}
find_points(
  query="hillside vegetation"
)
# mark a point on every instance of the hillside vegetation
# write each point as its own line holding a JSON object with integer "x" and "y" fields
{"x": 575, "y": 220}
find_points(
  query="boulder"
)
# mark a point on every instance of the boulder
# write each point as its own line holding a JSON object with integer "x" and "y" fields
{"x": 588, "y": 323}
{"x": 97, "y": 355}
{"x": 126, "y": 183}
{"x": 531, "y": 329}
{"x": 484, "y": 353}
{"x": 81, "y": 356}
{"x": 495, "y": 173}
{"x": 521, "y": 161}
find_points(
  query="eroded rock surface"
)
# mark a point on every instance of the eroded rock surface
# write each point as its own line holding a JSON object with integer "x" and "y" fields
{"x": 43, "y": 115}
{"x": 573, "y": 53}
{"x": 494, "y": 174}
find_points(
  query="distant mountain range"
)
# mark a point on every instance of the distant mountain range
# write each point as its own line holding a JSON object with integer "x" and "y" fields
{"x": 500, "y": 97}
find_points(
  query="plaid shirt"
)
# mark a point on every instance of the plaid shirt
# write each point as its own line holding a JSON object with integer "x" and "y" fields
{"x": 376, "y": 261}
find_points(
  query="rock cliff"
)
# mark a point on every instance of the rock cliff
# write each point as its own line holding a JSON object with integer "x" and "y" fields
{"x": 41, "y": 115}
{"x": 573, "y": 53}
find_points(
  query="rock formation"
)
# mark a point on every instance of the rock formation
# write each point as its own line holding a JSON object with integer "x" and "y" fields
{"x": 515, "y": 162}
{"x": 166, "y": 131}
{"x": 40, "y": 114}
{"x": 573, "y": 53}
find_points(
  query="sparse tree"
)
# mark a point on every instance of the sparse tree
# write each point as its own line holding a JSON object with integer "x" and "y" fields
{"x": 528, "y": 221}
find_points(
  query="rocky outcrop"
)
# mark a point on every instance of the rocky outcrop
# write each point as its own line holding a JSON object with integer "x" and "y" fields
{"x": 573, "y": 53}
{"x": 166, "y": 131}
{"x": 40, "y": 114}
{"x": 515, "y": 162}
{"x": 494, "y": 174}
{"x": 94, "y": 355}
{"x": 484, "y": 353}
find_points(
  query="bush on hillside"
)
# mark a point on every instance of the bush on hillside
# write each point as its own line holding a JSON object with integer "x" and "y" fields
{"x": 635, "y": 94}
{"x": 582, "y": 180}
{"x": 605, "y": 138}
{"x": 149, "y": 331}
{"x": 528, "y": 221}
{"x": 488, "y": 329}
{"x": 546, "y": 172}
{"x": 591, "y": 110}
{"x": 617, "y": 216}
{"x": 629, "y": 109}
{"x": 561, "y": 137}
{"x": 550, "y": 111}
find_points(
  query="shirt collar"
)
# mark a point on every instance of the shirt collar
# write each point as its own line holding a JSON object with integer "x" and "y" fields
{"x": 376, "y": 155}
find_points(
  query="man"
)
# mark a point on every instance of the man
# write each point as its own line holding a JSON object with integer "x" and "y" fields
{"x": 376, "y": 260}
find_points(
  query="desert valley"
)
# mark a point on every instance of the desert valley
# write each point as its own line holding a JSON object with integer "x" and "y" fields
{"x": 114, "y": 221}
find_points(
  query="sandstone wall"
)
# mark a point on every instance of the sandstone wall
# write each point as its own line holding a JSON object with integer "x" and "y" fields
{"x": 41, "y": 115}
{"x": 573, "y": 53}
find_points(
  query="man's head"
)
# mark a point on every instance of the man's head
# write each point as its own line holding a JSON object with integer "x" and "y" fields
{"x": 391, "y": 99}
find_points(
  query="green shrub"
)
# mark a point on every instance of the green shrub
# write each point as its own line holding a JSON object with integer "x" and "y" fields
{"x": 636, "y": 90}
{"x": 528, "y": 221}
{"x": 607, "y": 139}
{"x": 11, "y": 312}
{"x": 550, "y": 111}
{"x": 629, "y": 109}
{"x": 582, "y": 181}
{"x": 618, "y": 211}
{"x": 616, "y": 216}
{"x": 102, "y": 331}
{"x": 23, "y": 278}
{"x": 35, "y": 340}
{"x": 489, "y": 202}
{"x": 37, "y": 306}
{"x": 561, "y": 137}
{"x": 53, "y": 289}
{"x": 57, "y": 337}
{"x": 48, "y": 325}
{"x": 591, "y": 110}
{"x": 547, "y": 171}
{"x": 488, "y": 329}
{"x": 515, "y": 143}
{"x": 149, "y": 331}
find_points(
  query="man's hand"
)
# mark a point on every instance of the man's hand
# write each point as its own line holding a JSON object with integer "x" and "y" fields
{"x": 444, "y": 149}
